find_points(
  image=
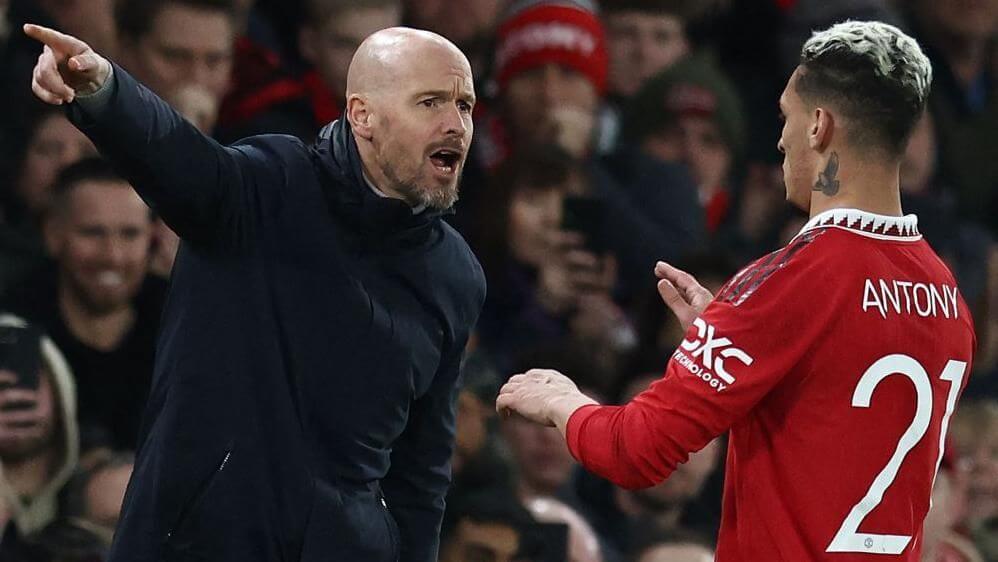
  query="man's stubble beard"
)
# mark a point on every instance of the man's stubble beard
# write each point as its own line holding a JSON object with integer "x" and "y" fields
{"x": 417, "y": 195}
{"x": 96, "y": 305}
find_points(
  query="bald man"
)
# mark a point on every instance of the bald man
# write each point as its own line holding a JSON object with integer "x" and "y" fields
{"x": 303, "y": 399}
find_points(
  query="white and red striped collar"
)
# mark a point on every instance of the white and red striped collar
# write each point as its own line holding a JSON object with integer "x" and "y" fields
{"x": 882, "y": 227}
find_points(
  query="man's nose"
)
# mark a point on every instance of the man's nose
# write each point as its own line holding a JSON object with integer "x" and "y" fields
{"x": 113, "y": 250}
{"x": 454, "y": 123}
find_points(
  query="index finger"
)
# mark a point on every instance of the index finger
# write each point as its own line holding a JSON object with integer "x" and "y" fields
{"x": 682, "y": 280}
{"x": 65, "y": 44}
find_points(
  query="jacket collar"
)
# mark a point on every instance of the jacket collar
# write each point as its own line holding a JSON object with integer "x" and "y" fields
{"x": 351, "y": 199}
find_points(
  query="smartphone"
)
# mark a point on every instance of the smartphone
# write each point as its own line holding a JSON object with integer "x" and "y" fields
{"x": 20, "y": 354}
{"x": 553, "y": 539}
{"x": 586, "y": 215}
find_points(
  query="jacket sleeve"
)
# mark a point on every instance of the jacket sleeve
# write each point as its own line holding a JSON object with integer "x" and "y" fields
{"x": 420, "y": 472}
{"x": 206, "y": 192}
{"x": 745, "y": 344}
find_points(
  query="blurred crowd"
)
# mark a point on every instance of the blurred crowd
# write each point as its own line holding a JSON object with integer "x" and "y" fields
{"x": 608, "y": 136}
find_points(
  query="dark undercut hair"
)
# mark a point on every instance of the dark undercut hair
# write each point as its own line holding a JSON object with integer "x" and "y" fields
{"x": 872, "y": 74}
{"x": 134, "y": 18}
{"x": 94, "y": 169}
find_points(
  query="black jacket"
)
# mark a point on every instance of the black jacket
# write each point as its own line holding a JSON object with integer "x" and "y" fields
{"x": 308, "y": 356}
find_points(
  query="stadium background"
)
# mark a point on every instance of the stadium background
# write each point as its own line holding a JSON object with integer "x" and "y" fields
{"x": 648, "y": 128}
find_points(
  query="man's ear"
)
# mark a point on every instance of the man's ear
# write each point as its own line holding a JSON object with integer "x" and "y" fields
{"x": 52, "y": 231}
{"x": 819, "y": 136}
{"x": 358, "y": 114}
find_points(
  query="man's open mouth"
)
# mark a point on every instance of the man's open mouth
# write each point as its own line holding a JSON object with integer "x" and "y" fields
{"x": 446, "y": 160}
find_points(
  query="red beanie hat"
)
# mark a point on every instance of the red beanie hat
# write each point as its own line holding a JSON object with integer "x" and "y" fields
{"x": 538, "y": 33}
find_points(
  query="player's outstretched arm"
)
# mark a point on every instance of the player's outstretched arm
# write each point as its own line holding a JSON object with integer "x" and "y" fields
{"x": 199, "y": 187}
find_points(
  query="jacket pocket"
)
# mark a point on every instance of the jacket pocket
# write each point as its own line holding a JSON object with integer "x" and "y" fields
{"x": 180, "y": 535}
{"x": 393, "y": 530}
{"x": 348, "y": 525}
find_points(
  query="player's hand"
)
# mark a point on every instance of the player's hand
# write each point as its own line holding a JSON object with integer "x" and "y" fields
{"x": 66, "y": 68}
{"x": 681, "y": 293}
{"x": 542, "y": 396}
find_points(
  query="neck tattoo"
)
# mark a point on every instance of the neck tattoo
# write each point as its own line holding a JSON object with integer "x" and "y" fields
{"x": 827, "y": 184}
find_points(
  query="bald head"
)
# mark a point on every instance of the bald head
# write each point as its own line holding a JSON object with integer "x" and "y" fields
{"x": 390, "y": 55}
{"x": 409, "y": 100}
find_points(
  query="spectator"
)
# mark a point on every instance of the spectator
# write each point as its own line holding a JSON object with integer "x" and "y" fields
{"x": 644, "y": 38}
{"x": 47, "y": 144}
{"x": 95, "y": 494}
{"x": 99, "y": 306}
{"x": 543, "y": 465}
{"x": 675, "y": 552}
{"x": 92, "y": 503}
{"x": 691, "y": 115}
{"x": 959, "y": 39}
{"x": 974, "y": 432}
{"x": 93, "y": 20}
{"x": 471, "y": 27}
{"x": 943, "y": 542}
{"x": 329, "y": 33}
{"x": 477, "y": 462}
{"x": 960, "y": 242}
{"x": 543, "y": 278}
{"x": 170, "y": 44}
{"x": 549, "y": 92}
{"x": 486, "y": 526}
{"x": 90, "y": 20}
{"x": 39, "y": 443}
{"x": 583, "y": 546}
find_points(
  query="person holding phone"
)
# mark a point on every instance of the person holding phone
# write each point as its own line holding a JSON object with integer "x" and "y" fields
{"x": 551, "y": 274}
{"x": 39, "y": 441}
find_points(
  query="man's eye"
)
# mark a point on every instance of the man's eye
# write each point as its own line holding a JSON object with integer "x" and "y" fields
{"x": 464, "y": 106}
{"x": 431, "y": 102}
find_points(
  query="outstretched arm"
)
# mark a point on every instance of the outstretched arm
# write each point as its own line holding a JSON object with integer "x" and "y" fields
{"x": 204, "y": 191}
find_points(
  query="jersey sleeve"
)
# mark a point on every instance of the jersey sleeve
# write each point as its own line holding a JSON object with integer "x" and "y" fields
{"x": 747, "y": 340}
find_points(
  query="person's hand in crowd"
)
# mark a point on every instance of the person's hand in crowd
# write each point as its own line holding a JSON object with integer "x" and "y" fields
{"x": 762, "y": 198}
{"x": 24, "y": 413}
{"x": 66, "y": 68}
{"x": 598, "y": 319}
{"x": 542, "y": 396}
{"x": 681, "y": 293}
{"x": 572, "y": 272}
{"x": 197, "y": 104}
{"x": 574, "y": 129}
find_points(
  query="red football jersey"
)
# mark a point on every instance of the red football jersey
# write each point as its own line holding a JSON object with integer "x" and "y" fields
{"x": 836, "y": 363}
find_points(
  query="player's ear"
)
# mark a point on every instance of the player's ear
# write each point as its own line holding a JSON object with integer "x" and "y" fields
{"x": 358, "y": 113}
{"x": 819, "y": 136}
